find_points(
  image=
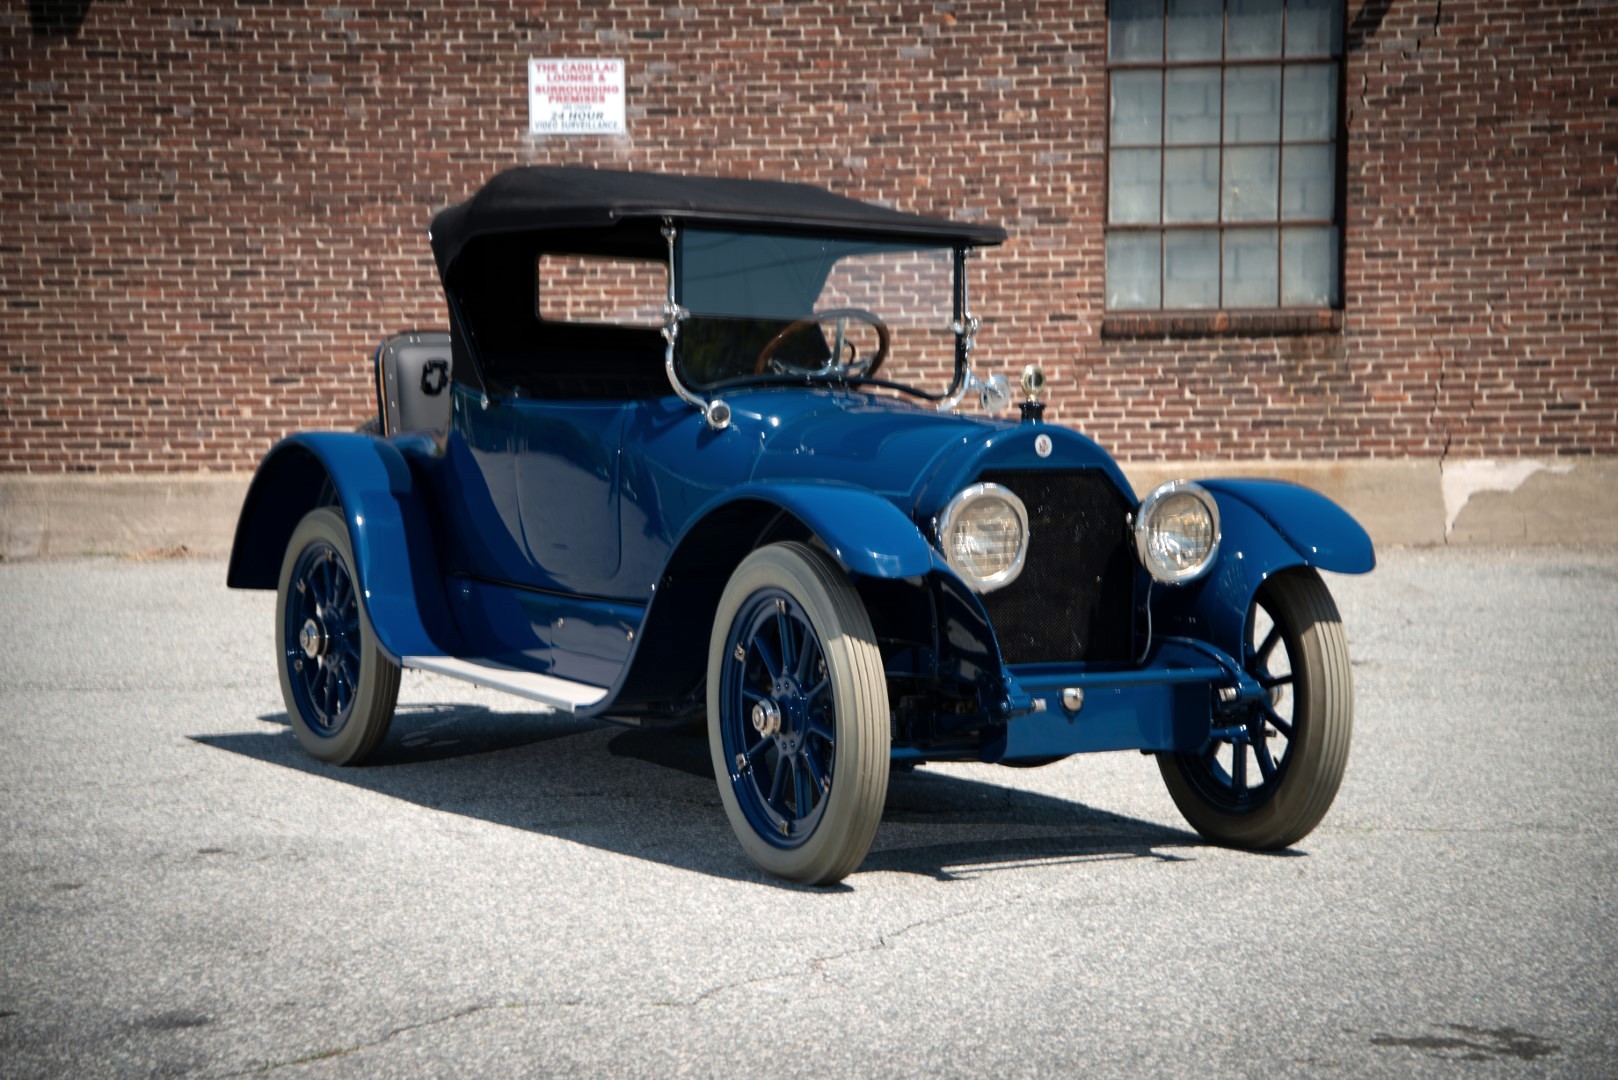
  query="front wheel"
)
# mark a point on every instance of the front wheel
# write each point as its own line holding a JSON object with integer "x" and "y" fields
{"x": 798, "y": 715}
{"x": 1270, "y": 784}
{"x": 339, "y": 686}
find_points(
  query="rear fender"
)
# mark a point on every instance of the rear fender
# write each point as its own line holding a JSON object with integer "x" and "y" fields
{"x": 388, "y": 525}
{"x": 1266, "y": 527}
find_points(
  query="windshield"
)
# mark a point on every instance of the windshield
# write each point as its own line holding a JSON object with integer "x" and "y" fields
{"x": 803, "y": 308}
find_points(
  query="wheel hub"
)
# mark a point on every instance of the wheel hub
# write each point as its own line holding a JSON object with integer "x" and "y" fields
{"x": 312, "y": 639}
{"x": 767, "y": 718}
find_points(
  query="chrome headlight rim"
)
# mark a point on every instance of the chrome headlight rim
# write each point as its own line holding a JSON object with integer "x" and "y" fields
{"x": 1144, "y": 518}
{"x": 962, "y": 500}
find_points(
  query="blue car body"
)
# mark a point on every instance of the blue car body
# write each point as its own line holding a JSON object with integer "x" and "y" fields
{"x": 574, "y": 546}
{"x": 566, "y": 557}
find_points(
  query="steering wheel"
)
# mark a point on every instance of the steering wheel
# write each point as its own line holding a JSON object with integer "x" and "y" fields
{"x": 842, "y": 315}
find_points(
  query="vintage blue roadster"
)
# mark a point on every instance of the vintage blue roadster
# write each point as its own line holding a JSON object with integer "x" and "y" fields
{"x": 690, "y": 448}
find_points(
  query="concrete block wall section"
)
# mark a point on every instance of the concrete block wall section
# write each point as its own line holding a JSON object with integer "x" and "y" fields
{"x": 142, "y": 516}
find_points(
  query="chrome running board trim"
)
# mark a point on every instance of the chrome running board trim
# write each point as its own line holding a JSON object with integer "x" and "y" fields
{"x": 546, "y": 689}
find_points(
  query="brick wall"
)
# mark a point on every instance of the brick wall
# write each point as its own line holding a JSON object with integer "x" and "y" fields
{"x": 213, "y": 212}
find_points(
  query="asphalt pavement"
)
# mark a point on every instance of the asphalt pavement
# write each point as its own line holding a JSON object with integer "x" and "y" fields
{"x": 507, "y": 892}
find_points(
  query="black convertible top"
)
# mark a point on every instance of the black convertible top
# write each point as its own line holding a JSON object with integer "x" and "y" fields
{"x": 537, "y": 198}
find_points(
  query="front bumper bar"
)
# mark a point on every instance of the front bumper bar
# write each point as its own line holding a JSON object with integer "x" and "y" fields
{"x": 1171, "y": 702}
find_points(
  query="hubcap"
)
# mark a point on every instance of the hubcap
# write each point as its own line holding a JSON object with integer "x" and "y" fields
{"x": 312, "y": 639}
{"x": 767, "y": 718}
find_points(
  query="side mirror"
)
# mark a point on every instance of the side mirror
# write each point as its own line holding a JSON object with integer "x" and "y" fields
{"x": 994, "y": 393}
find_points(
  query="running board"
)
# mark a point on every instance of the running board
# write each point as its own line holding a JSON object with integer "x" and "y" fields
{"x": 546, "y": 689}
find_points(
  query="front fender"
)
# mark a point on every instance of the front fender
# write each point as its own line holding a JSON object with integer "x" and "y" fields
{"x": 870, "y": 537}
{"x": 388, "y": 526}
{"x": 1321, "y": 532}
{"x": 1266, "y": 526}
{"x": 864, "y": 532}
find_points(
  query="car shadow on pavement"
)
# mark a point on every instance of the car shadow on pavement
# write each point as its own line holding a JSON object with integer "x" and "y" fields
{"x": 651, "y": 794}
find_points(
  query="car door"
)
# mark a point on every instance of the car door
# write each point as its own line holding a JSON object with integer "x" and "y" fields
{"x": 530, "y": 533}
{"x": 566, "y": 472}
{"x": 533, "y": 491}
{"x": 533, "y": 465}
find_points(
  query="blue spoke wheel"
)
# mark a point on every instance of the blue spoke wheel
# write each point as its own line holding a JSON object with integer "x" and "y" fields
{"x": 339, "y": 686}
{"x": 798, "y": 721}
{"x": 1270, "y": 783}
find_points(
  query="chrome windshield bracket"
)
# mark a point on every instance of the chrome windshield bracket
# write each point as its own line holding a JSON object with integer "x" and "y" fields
{"x": 993, "y": 392}
{"x": 715, "y": 412}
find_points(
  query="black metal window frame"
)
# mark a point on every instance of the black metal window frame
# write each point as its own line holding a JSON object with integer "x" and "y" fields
{"x": 1163, "y": 228}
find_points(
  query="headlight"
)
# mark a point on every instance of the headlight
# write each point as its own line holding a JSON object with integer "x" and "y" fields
{"x": 1177, "y": 532}
{"x": 984, "y": 533}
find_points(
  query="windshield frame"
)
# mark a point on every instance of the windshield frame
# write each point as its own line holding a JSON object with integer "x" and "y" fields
{"x": 963, "y": 324}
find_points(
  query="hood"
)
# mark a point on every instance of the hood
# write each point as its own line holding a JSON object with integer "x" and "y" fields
{"x": 913, "y": 455}
{"x": 880, "y": 443}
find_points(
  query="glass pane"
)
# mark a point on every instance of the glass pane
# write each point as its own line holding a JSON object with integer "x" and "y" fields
{"x": 763, "y": 276}
{"x": 1311, "y": 102}
{"x": 1253, "y": 104}
{"x": 1191, "y": 106}
{"x": 1132, "y": 271}
{"x": 1254, "y": 29}
{"x": 1191, "y": 269}
{"x": 1134, "y": 178}
{"x": 1137, "y": 108}
{"x": 1251, "y": 181}
{"x": 1250, "y": 268}
{"x": 1196, "y": 29}
{"x": 1314, "y": 28}
{"x": 1309, "y": 268}
{"x": 1308, "y": 182}
{"x": 1135, "y": 30}
{"x": 1191, "y": 185}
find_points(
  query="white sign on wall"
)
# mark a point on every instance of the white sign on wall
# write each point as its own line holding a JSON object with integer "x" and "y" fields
{"x": 576, "y": 97}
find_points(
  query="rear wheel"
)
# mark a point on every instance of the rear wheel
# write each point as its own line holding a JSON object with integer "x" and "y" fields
{"x": 1272, "y": 782}
{"x": 339, "y": 686}
{"x": 798, "y": 715}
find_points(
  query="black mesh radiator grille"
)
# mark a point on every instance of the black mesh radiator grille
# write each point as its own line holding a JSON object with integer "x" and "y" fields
{"x": 1074, "y": 597}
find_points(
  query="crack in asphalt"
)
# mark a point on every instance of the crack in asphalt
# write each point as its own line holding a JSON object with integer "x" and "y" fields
{"x": 392, "y": 1033}
{"x": 817, "y": 965}
{"x": 1472, "y": 1044}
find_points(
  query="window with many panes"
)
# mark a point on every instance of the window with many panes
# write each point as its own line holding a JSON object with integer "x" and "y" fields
{"x": 1224, "y": 154}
